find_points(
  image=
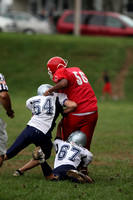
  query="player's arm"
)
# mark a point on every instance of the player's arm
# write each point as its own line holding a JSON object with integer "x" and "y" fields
{"x": 58, "y": 136}
{"x": 70, "y": 106}
{"x": 59, "y": 86}
{"x": 29, "y": 104}
{"x": 59, "y": 130}
{"x": 87, "y": 158}
{"x": 6, "y": 103}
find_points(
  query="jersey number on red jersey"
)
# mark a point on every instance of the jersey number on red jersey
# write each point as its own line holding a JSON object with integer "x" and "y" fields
{"x": 80, "y": 76}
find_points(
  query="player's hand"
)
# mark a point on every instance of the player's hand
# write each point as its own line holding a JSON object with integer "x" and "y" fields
{"x": 10, "y": 114}
{"x": 46, "y": 93}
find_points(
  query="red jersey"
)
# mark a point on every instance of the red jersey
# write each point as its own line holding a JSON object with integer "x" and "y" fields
{"x": 78, "y": 90}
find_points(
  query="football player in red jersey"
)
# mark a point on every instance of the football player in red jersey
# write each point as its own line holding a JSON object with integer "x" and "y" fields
{"x": 73, "y": 82}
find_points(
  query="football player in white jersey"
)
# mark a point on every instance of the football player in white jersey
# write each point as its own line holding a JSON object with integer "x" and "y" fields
{"x": 5, "y": 101}
{"x": 45, "y": 111}
{"x": 69, "y": 155}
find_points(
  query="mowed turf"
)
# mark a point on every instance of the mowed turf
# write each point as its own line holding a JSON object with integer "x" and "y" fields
{"x": 23, "y": 61}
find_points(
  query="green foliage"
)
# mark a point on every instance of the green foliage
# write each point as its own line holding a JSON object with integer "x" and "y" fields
{"x": 23, "y": 61}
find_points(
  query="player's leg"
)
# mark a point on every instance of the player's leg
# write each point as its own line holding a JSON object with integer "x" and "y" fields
{"x": 88, "y": 124}
{"x": 37, "y": 138}
{"x": 1, "y": 160}
{"x": 70, "y": 123}
{"x": 45, "y": 143}
{"x": 109, "y": 89}
{"x": 61, "y": 171}
{"x": 31, "y": 164}
{"x": 3, "y": 141}
{"x": 88, "y": 127}
{"x": 103, "y": 93}
{"x": 38, "y": 158}
{"x": 84, "y": 123}
{"x": 22, "y": 141}
{"x": 46, "y": 169}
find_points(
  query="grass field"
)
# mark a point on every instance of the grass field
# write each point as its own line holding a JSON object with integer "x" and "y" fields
{"x": 23, "y": 62}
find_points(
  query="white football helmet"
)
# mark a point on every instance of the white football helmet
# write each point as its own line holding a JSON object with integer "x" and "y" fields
{"x": 43, "y": 88}
{"x": 78, "y": 137}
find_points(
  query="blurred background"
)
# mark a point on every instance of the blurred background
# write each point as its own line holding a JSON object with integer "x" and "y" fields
{"x": 58, "y": 6}
{"x": 94, "y": 35}
{"x": 42, "y": 16}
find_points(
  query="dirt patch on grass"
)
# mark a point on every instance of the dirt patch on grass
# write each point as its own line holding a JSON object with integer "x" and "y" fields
{"x": 118, "y": 85}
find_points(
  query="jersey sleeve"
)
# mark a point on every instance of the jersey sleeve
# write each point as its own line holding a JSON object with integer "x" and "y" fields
{"x": 3, "y": 85}
{"x": 62, "y": 98}
{"x": 56, "y": 143}
{"x": 60, "y": 74}
{"x": 87, "y": 158}
{"x": 29, "y": 103}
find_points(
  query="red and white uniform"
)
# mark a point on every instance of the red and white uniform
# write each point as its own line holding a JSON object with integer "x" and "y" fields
{"x": 79, "y": 90}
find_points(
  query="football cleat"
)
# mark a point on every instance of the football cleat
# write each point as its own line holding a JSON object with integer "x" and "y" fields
{"x": 79, "y": 176}
{"x": 38, "y": 155}
{"x": 18, "y": 173}
{"x": 84, "y": 171}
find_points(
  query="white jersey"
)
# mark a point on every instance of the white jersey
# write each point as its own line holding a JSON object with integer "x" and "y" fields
{"x": 70, "y": 154}
{"x": 3, "y": 85}
{"x": 45, "y": 110}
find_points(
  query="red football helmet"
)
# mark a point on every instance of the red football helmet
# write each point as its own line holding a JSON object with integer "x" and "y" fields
{"x": 54, "y": 64}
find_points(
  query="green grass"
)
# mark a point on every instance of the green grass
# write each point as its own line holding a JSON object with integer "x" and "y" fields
{"x": 23, "y": 61}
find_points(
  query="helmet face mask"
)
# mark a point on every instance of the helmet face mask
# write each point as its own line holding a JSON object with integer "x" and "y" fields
{"x": 78, "y": 137}
{"x": 43, "y": 88}
{"x": 50, "y": 73}
{"x": 55, "y": 63}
